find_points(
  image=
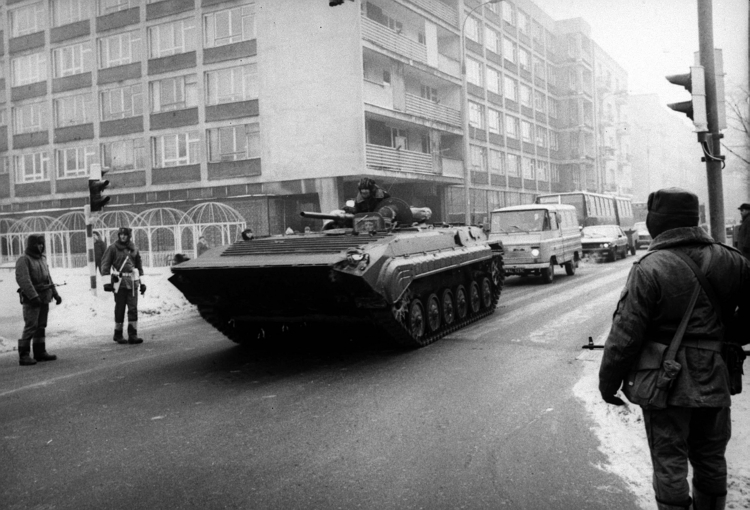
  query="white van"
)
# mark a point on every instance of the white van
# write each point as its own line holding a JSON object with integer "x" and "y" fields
{"x": 538, "y": 237}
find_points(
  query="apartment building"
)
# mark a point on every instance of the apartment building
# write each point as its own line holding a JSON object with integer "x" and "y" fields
{"x": 273, "y": 106}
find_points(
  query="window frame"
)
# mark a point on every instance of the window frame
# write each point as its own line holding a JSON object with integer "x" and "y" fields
{"x": 249, "y": 84}
{"x": 192, "y": 149}
{"x": 137, "y": 154}
{"x": 38, "y": 175}
{"x": 132, "y": 47}
{"x": 84, "y": 154}
{"x": 181, "y": 31}
{"x": 247, "y": 17}
{"x": 107, "y": 98}
{"x": 251, "y": 132}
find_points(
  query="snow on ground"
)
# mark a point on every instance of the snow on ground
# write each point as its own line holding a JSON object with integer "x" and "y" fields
{"x": 622, "y": 439}
{"x": 83, "y": 318}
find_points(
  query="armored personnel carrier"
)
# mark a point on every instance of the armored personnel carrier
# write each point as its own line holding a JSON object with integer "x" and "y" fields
{"x": 387, "y": 270}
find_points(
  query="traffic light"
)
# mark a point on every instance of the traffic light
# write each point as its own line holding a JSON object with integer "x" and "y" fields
{"x": 96, "y": 186}
{"x": 695, "y": 83}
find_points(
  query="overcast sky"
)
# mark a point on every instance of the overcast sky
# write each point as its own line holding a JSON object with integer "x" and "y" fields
{"x": 655, "y": 38}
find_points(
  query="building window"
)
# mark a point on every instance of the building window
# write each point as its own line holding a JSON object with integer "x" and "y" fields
{"x": 496, "y": 162}
{"x": 492, "y": 40}
{"x": 523, "y": 22}
{"x": 509, "y": 14}
{"x": 473, "y": 29}
{"x": 526, "y": 131}
{"x": 171, "y": 38}
{"x": 73, "y": 110}
{"x": 75, "y": 161}
{"x": 478, "y": 159}
{"x": 537, "y": 32}
{"x": 229, "y": 26}
{"x": 175, "y": 93}
{"x": 28, "y": 69}
{"x": 474, "y": 72}
{"x": 514, "y": 165}
{"x": 511, "y": 127}
{"x": 509, "y": 50}
{"x": 511, "y": 89}
{"x": 232, "y": 85}
{"x": 493, "y": 81}
{"x": 30, "y": 118}
{"x": 494, "y": 121}
{"x": 554, "y": 172}
{"x": 539, "y": 68}
{"x": 110, "y": 6}
{"x": 119, "y": 49}
{"x": 541, "y": 137}
{"x": 70, "y": 60}
{"x": 541, "y": 171}
{"x": 429, "y": 93}
{"x": 554, "y": 142}
{"x": 124, "y": 155}
{"x": 176, "y": 149}
{"x": 3, "y": 117}
{"x": 476, "y": 115}
{"x": 525, "y": 95}
{"x": 28, "y": 19}
{"x": 551, "y": 75}
{"x": 524, "y": 59}
{"x": 540, "y": 101}
{"x": 552, "y": 103}
{"x": 528, "y": 167}
{"x": 122, "y": 102}
{"x": 70, "y": 11}
{"x": 234, "y": 143}
{"x": 4, "y": 170}
{"x": 31, "y": 167}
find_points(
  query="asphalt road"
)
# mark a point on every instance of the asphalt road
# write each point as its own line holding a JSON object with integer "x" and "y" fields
{"x": 484, "y": 418}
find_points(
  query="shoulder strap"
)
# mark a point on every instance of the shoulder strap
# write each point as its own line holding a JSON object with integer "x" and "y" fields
{"x": 677, "y": 338}
{"x": 707, "y": 287}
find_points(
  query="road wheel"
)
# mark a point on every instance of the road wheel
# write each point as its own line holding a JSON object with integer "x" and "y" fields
{"x": 448, "y": 309}
{"x": 462, "y": 303}
{"x": 433, "y": 313}
{"x": 548, "y": 273}
{"x": 570, "y": 267}
{"x": 475, "y": 299}
{"x": 416, "y": 320}
{"x": 486, "y": 293}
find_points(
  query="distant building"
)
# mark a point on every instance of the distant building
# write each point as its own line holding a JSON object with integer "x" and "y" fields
{"x": 275, "y": 106}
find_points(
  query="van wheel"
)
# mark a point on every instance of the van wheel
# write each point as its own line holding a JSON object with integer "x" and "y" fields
{"x": 548, "y": 273}
{"x": 570, "y": 268}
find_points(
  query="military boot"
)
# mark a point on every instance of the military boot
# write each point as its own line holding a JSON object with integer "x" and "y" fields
{"x": 705, "y": 501}
{"x": 669, "y": 506}
{"x": 23, "y": 354}
{"x": 41, "y": 354}
{"x": 118, "y": 335}
{"x": 133, "y": 334}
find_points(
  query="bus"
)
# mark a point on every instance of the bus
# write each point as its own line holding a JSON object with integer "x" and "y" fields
{"x": 597, "y": 209}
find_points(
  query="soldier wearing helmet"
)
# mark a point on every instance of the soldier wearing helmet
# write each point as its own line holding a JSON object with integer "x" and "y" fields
{"x": 368, "y": 197}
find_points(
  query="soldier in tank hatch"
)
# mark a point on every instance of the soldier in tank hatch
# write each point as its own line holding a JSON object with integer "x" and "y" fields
{"x": 37, "y": 291}
{"x": 122, "y": 261}
{"x": 368, "y": 197}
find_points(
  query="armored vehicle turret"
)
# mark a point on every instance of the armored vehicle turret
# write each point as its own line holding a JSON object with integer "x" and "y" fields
{"x": 388, "y": 269}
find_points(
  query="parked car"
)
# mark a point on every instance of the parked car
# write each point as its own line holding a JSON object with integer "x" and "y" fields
{"x": 642, "y": 237}
{"x": 604, "y": 241}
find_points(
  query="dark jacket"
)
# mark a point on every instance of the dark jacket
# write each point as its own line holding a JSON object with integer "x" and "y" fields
{"x": 119, "y": 252}
{"x": 653, "y": 302}
{"x": 743, "y": 237}
{"x": 369, "y": 204}
{"x": 32, "y": 273}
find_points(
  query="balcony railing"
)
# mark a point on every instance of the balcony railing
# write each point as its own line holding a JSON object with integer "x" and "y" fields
{"x": 390, "y": 40}
{"x": 399, "y": 160}
{"x": 421, "y": 107}
{"x": 439, "y": 9}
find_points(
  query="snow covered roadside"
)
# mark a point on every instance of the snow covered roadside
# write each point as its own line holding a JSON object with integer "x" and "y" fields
{"x": 83, "y": 317}
{"x": 622, "y": 439}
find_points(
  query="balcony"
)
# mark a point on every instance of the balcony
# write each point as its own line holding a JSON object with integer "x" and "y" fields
{"x": 421, "y": 107}
{"x": 389, "y": 40}
{"x": 400, "y": 160}
{"x": 439, "y": 10}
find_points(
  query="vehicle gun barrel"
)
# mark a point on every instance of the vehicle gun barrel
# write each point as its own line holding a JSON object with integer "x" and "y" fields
{"x": 324, "y": 216}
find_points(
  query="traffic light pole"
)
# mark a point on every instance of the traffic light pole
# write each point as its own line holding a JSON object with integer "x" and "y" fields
{"x": 713, "y": 137}
{"x": 90, "y": 246}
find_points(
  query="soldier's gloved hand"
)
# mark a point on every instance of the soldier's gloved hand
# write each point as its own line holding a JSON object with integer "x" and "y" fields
{"x": 143, "y": 289}
{"x": 58, "y": 299}
{"x": 115, "y": 278}
{"x": 613, "y": 399}
{"x": 35, "y": 301}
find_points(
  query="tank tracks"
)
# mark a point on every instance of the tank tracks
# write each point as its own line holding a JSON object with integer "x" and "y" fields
{"x": 412, "y": 323}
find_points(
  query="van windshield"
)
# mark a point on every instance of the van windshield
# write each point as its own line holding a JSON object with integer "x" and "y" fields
{"x": 519, "y": 221}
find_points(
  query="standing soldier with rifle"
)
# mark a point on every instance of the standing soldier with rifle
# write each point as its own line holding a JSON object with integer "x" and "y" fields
{"x": 122, "y": 261}
{"x": 36, "y": 290}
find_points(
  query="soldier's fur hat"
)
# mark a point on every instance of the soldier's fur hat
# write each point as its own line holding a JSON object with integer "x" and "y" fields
{"x": 671, "y": 208}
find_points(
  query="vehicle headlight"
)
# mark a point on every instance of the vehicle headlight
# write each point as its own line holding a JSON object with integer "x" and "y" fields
{"x": 535, "y": 252}
{"x": 605, "y": 245}
{"x": 354, "y": 258}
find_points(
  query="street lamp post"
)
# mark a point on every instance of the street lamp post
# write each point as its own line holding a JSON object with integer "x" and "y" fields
{"x": 465, "y": 113}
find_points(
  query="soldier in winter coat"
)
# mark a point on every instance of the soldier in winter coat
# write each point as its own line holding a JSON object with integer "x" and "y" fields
{"x": 37, "y": 291}
{"x": 696, "y": 424}
{"x": 368, "y": 197}
{"x": 743, "y": 235}
{"x": 122, "y": 261}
